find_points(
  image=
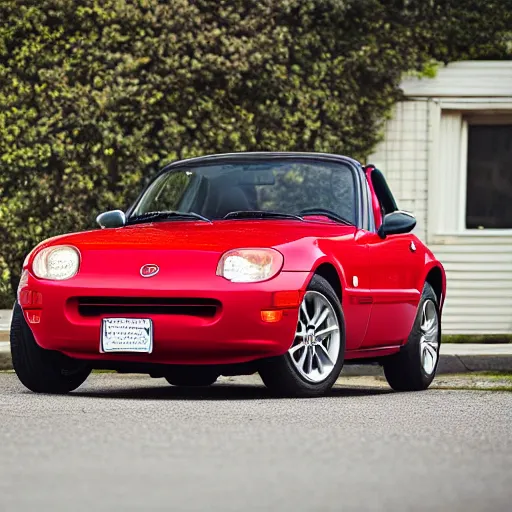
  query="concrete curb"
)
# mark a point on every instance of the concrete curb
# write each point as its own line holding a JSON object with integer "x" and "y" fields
{"x": 475, "y": 363}
{"x": 448, "y": 363}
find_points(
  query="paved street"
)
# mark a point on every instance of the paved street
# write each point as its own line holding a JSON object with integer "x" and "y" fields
{"x": 133, "y": 443}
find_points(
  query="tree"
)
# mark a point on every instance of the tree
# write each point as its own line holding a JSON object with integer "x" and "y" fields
{"x": 95, "y": 91}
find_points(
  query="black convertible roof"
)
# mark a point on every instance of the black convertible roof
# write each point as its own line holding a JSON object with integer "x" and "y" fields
{"x": 261, "y": 155}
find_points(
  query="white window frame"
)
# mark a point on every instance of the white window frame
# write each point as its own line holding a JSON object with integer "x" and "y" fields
{"x": 448, "y": 147}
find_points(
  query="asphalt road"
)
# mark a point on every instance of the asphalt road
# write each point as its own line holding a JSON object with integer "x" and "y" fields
{"x": 133, "y": 443}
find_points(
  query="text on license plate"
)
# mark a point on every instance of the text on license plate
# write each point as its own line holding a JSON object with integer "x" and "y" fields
{"x": 126, "y": 335}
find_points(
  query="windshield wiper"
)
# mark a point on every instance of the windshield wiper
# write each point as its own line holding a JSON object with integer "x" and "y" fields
{"x": 325, "y": 213}
{"x": 259, "y": 214}
{"x": 166, "y": 215}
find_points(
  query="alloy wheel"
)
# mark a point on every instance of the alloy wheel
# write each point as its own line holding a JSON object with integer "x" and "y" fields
{"x": 316, "y": 346}
{"x": 429, "y": 342}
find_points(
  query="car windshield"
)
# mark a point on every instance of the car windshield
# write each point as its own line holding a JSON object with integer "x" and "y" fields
{"x": 290, "y": 187}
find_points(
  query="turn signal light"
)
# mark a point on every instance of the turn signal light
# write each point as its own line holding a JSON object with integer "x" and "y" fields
{"x": 271, "y": 316}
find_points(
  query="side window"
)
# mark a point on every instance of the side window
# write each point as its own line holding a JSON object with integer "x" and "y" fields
{"x": 384, "y": 195}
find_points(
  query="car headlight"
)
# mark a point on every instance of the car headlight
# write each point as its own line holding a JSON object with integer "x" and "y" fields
{"x": 250, "y": 265}
{"x": 57, "y": 263}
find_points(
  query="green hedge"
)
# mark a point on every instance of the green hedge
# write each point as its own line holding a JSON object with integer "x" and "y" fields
{"x": 94, "y": 94}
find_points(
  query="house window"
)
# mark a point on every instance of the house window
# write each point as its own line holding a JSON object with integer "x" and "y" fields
{"x": 489, "y": 176}
{"x": 469, "y": 185}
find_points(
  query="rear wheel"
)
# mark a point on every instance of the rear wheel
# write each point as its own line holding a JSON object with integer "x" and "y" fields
{"x": 40, "y": 370}
{"x": 314, "y": 361}
{"x": 414, "y": 367}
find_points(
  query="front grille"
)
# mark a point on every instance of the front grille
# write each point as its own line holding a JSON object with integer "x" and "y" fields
{"x": 96, "y": 306}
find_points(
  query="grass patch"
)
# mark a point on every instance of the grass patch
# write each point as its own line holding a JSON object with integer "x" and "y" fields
{"x": 475, "y": 381}
{"x": 477, "y": 338}
{"x": 494, "y": 375}
{"x": 473, "y": 388}
{"x": 478, "y": 375}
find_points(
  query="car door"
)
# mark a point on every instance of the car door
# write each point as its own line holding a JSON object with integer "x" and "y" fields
{"x": 348, "y": 250}
{"x": 351, "y": 252}
{"x": 396, "y": 264}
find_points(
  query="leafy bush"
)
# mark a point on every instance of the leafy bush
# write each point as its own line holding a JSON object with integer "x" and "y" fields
{"x": 92, "y": 92}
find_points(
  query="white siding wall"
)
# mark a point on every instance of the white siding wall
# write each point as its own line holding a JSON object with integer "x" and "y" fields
{"x": 469, "y": 79}
{"x": 416, "y": 159}
{"x": 403, "y": 159}
{"x": 479, "y": 284}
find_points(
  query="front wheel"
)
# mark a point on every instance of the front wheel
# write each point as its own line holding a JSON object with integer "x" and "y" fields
{"x": 314, "y": 361}
{"x": 414, "y": 367}
{"x": 40, "y": 370}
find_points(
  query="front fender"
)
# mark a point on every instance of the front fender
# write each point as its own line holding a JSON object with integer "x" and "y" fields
{"x": 349, "y": 258}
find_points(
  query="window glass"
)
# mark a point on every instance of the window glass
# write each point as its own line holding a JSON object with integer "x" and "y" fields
{"x": 286, "y": 186}
{"x": 489, "y": 177}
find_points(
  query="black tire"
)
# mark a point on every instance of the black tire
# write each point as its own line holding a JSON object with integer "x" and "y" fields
{"x": 191, "y": 377}
{"x": 404, "y": 371}
{"x": 280, "y": 375}
{"x": 40, "y": 370}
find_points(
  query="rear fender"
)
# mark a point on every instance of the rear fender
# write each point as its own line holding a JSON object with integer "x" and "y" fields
{"x": 429, "y": 265}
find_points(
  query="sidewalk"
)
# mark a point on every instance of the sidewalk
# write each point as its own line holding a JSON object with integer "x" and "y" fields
{"x": 469, "y": 357}
{"x": 5, "y": 320}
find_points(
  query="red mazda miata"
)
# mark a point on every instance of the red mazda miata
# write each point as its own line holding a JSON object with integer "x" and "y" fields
{"x": 286, "y": 264}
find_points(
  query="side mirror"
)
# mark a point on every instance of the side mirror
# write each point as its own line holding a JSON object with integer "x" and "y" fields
{"x": 111, "y": 219}
{"x": 396, "y": 223}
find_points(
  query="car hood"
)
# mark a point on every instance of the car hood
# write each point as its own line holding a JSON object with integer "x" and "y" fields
{"x": 190, "y": 248}
{"x": 200, "y": 236}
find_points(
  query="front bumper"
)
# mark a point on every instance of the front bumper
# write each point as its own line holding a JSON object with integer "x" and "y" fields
{"x": 236, "y": 332}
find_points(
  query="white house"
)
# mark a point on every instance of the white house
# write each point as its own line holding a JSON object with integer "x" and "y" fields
{"x": 447, "y": 155}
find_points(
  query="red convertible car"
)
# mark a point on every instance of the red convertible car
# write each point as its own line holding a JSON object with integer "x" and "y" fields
{"x": 286, "y": 264}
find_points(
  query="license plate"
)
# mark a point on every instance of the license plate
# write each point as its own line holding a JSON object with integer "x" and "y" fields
{"x": 126, "y": 335}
